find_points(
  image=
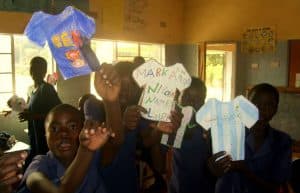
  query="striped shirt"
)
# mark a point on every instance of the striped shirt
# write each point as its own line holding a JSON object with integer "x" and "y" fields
{"x": 227, "y": 121}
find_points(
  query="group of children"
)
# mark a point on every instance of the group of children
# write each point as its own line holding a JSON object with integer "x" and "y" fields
{"x": 94, "y": 149}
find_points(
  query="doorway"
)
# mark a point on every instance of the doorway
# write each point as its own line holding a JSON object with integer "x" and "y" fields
{"x": 220, "y": 65}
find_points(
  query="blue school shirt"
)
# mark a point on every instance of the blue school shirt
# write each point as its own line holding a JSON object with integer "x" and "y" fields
{"x": 54, "y": 170}
{"x": 41, "y": 102}
{"x": 121, "y": 174}
{"x": 63, "y": 33}
{"x": 189, "y": 169}
{"x": 272, "y": 162}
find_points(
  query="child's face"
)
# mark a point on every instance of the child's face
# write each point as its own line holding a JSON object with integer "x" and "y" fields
{"x": 266, "y": 104}
{"x": 62, "y": 133}
{"x": 192, "y": 97}
{"x": 129, "y": 91}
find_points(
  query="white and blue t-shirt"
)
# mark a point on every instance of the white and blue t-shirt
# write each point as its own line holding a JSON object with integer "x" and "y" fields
{"x": 64, "y": 33}
{"x": 227, "y": 121}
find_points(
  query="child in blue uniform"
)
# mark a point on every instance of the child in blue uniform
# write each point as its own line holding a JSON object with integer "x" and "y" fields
{"x": 71, "y": 164}
{"x": 189, "y": 169}
{"x": 267, "y": 163}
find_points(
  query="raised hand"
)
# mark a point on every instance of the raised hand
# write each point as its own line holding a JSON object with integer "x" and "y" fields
{"x": 107, "y": 83}
{"x": 173, "y": 125}
{"x": 219, "y": 163}
{"x": 132, "y": 116}
{"x": 93, "y": 135}
{"x": 10, "y": 170}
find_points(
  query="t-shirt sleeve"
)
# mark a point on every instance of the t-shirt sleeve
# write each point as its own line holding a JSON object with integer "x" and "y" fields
{"x": 142, "y": 73}
{"x": 183, "y": 77}
{"x": 203, "y": 115}
{"x": 86, "y": 24}
{"x": 34, "y": 29}
{"x": 248, "y": 111}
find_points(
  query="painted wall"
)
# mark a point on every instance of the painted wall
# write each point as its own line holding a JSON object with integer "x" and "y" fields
{"x": 187, "y": 54}
{"x": 162, "y": 22}
{"x": 215, "y": 20}
{"x": 12, "y": 126}
{"x": 72, "y": 89}
{"x": 267, "y": 70}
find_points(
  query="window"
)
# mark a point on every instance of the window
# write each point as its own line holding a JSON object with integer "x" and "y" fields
{"x": 16, "y": 52}
{"x": 111, "y": 51}
{"x": 6, "y": 70}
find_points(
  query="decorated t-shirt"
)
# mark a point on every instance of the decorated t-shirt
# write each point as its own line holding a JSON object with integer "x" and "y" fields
{"x": 160, "y": 84}
{"x": 227, "y": 121}
{"x": 187, "y": 116}
{"x": 64, "y": 33}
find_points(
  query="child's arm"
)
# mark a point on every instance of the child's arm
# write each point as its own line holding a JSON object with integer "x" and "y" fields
{"x": 92, "y": 137}
{"x": 108, "y": 85}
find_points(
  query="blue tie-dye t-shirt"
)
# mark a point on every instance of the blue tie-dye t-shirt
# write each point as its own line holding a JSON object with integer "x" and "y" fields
{"x": 64, "y": 33}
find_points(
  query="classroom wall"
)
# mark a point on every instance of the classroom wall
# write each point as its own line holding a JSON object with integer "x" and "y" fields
{"x": 287, "y": 117}
{"x": 161, "y": 22}
{"x": 72, "y": 89}
{"x": 218, "y": 20}
{"x": 187, "y": 54}
{"x": 272, "y": 67}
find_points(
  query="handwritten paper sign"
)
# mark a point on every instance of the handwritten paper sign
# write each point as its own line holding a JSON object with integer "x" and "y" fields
{"x": 259, "y": 40}
{"x": 160, "y": 84}
{"x": 227, "y": 121}
{"x": 187, "y": 116}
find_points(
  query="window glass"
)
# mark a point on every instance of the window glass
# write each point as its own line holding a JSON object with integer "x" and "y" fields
{"x": 5, "y": 65}
{"x": 24, "y": 51}
{"x": 104, "y": 50}
{"x": 6, "y": 83}
{"x": 126, "y": 49}
{"x": 151, "y": 51}
{"x": 5, "y": 45}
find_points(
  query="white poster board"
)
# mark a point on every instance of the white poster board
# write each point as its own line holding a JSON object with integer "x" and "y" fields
{"x": 160, "y": 84}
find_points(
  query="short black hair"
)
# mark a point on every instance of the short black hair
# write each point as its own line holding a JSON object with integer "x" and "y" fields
{"x": 38, "y": 64}
{"x": 124, "y": 68}
{"x": 264, "y": 88}
{"x": 138, "y": 60}
{"x": 198, "y": 84}
{"x": 65, "y": 107}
